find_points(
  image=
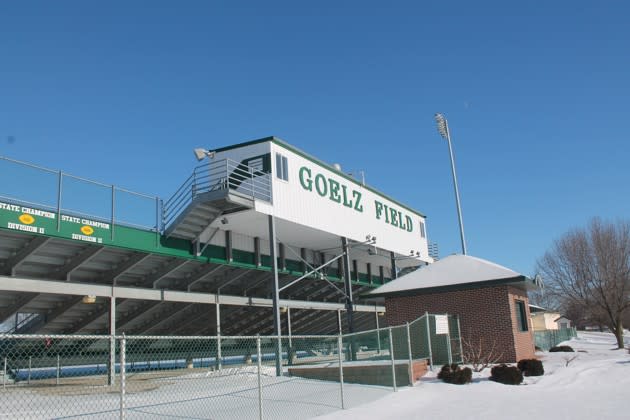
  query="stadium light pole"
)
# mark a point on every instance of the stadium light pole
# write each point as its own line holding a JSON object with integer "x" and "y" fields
{"x": 442, "y": 126}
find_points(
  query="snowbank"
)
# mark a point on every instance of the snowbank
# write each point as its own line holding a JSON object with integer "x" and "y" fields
{"x": 592, "y": 383}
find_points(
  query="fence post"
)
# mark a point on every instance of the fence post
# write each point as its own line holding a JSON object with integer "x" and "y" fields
{"x": 4, "y": 374}
{"x": 58, "y": 368}
{"x": 459, "y": 334}
{"x": 30, "y": 365}
{"x": 59, "y": 186}
{"x": 391, "y": 354}
{"x": 339, "y": 350}
{"x": 228, "y": 176}
{"x": 218, "y": 318}
{"x": 159, "y": 227}
{"x": 410, "y": 356}
{"x": 123, "y": 377}
{"x": 378, "y": 336}
{"x": 449, "y": 353}
{"x": 259, "y": 362}
{"x": 251, "y": 178}
{"x": 426, "y": 317}
{"x": 112, "y": 361}
{"x": 113, "y": 212}
{"x": 193, "y": 187}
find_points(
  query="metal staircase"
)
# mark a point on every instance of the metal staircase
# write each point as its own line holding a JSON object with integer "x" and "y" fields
{"x": 213, "y": 189}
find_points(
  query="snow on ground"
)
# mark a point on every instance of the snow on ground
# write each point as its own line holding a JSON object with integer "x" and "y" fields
{"x": 595, "y": 385}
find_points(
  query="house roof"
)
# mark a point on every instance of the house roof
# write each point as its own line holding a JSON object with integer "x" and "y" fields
{"x": 540, "y": 310}
{"x": 452, "y": 273}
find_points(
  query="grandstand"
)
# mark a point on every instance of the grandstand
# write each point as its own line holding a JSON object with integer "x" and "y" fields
{"x": 83, "y": 257}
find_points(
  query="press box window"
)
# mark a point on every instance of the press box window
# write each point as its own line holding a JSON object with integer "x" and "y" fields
{"x": 521, "y": 316}
{"x": 282, "y": 167}
{"x": 423, "y": 234}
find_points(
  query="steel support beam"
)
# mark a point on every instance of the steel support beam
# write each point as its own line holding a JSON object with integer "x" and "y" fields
{"x": 392, "y": 258}
{"x": 165, "y": 319}
{"x": 131, "y": 315}
{"x": 133, "y": 260}
{"x": 165, "y": 271}
{"x": 99, "y": 312}
{"x": 348, "y": 283}
{"x": 21, "y": 284}
{"x": 111, "y": 373}
{"x": 74, "y": 263}
{"x": 205, "y": 273}
{"x": 275, "y": 293}
{"x": 13, "y": 263}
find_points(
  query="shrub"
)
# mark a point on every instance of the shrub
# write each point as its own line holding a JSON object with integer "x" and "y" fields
{"x": 505, "y": 374}
{"x": 462, "y": 376}
{"x": 531, "y": 367}
{"x": 446, "y": 372}
{"x": 454, "y": 374}
{"x": 561, "y": 348}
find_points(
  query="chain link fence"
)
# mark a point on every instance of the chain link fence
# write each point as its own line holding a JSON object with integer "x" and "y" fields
{"x": 544, "y": 340}
{"x": 270, "y": 377}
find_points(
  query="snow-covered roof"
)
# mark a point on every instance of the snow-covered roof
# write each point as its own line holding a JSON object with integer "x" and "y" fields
{"x": 451, "y": 271}
{"x": 536, "y": 308}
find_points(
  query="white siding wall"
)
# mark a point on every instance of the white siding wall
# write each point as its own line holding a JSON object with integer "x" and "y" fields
{"x": 294, "y": 203}
{"x": 242, "y": 242}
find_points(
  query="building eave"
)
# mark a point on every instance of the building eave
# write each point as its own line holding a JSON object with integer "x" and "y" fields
{"x": 521, "y": 282}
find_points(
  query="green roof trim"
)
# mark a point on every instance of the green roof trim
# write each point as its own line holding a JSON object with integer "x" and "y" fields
{"x": 316, "y": 161}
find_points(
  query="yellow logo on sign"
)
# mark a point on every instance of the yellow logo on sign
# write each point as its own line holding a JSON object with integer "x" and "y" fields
{"x": 87, "y": 230}
{"x": 27, "y": 219}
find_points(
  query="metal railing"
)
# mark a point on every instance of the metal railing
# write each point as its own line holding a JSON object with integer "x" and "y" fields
{"x": 544, "y": 340}
{"x": 59, "y": 192}
{"x": 219, "y": 175}
{"x": 53, "y": 376}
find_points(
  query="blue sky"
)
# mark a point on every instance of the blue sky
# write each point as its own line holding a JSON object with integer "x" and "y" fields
{"x": 536, "y": 94}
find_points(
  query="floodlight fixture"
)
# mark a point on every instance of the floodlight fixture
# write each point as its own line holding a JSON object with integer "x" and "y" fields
{"x": 200, "y": 153}
{"x": 442, "y": 125}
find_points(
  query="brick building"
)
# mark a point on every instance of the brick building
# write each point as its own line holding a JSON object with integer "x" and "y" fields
{"x": 490, "y": 300}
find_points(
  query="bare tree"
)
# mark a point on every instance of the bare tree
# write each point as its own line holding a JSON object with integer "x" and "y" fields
{"x": 590, "y": 269}
{"x": 544, "y": 298}
{"x": 480, "y": 356}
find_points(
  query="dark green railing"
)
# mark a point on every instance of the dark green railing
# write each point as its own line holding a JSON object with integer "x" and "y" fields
{"x": 544, "y": 340}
